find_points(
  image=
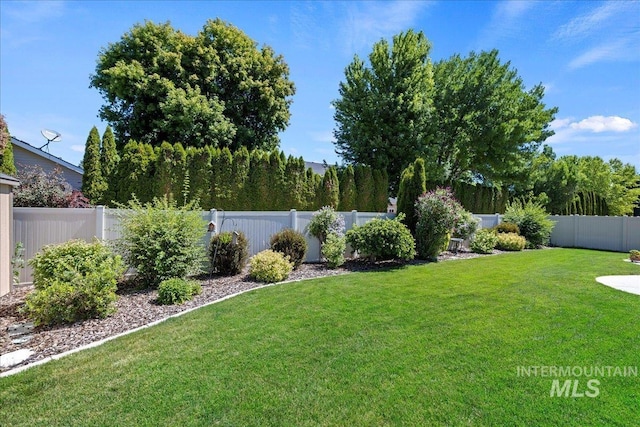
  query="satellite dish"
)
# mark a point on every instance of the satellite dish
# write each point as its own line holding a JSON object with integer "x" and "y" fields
{"x": 50, "y": 136}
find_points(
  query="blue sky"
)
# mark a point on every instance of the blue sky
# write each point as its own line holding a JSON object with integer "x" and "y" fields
{"x": 586, "y": 54}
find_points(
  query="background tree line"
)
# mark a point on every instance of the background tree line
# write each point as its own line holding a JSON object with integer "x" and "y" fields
{"x": 255, "y": 180}
{"x": 473, "y": 126}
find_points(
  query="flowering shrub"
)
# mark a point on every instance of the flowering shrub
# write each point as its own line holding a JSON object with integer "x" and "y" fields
{"x": 40, "y": 189}
{"x": 383, "y": 239}
{"x": 324, "y": 222}
{"x": 333, "y": 250}
{"x": 438, "y": 213}
{"x": 510, "y": 242}
{"x": 269, "y": 266}
{"x": 466, "y": 225}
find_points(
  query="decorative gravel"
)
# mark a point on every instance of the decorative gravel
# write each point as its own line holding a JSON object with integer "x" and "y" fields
{"x": 136, "y": 307}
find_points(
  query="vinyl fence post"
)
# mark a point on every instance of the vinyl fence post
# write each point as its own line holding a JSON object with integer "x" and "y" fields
{"x": 213, "y": 217}
{"x": 497, "y": 219}
{"x": 100, "y": 222}
{"x": 625, "y": 234}
{"x": 354, "y": 218}
{"x": 293, "y": 215}
{"x": 576, "y": 228}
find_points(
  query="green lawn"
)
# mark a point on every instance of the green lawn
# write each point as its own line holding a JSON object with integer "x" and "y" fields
{"x": 436, "y": 344}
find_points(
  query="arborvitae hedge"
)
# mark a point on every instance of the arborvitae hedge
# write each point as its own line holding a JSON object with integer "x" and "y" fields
{"x": 348, "y": 190}
{"x": 109, "y": 159}
{"x": 478, "y": 199}
{"x": 93, "y": 183}
{"x": 329, "y": 193}
{"x": 242, "y": 180}
{"x": 412, "y": 186}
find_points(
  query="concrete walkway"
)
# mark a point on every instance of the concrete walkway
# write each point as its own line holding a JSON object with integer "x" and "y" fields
{"x": 629, "y": 284}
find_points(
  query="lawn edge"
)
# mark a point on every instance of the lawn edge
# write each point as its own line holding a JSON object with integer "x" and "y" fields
{"x": 140, "y": 328}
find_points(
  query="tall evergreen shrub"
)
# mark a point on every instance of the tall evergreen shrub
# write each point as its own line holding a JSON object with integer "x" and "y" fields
{"x": 93, "y": 183}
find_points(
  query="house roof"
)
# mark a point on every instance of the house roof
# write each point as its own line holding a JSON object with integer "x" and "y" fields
{"x": 37, "y": 151}
{"x": 318, "y": 168}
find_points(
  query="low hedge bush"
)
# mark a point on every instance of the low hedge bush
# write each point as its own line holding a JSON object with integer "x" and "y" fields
{"x": 507, "y": 227}
{"x": 226, "y": 257}
{"x": 510, "y": 242}
{"x": 326, "y": 221}
{"x": 484, "y": 242}
{"x": 177, "y": 291}
{"x": 74, "y": 281}
{"x": 269, "y": 266}
{"x": 382, "y": 239}
{"x": 333, "y": 250}
{"x": 290, "y": 243}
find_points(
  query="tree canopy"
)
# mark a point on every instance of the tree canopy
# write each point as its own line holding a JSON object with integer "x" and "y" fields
{"x": 584, "y": 185}
{"x": 385, "y": 108}
{"x": 487, "y": 124}
{"x": 471, "y": 119}
{"x": 217, "y": 88}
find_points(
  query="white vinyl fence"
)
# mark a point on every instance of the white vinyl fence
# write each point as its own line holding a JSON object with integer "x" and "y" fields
{"x": 37, "y": 227}
{"x": 610, "y": 233}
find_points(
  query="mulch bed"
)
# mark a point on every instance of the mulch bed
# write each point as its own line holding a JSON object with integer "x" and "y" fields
{"x": 138, "y": 307}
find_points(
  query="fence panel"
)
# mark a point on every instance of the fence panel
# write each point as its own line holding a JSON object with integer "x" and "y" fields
{"x": 488, "y": 221}
{"x": 37, "y": 227}
{"x": 620, "y": 234}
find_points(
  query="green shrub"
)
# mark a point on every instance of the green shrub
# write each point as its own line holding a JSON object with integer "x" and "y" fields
{"x": 269, "y": 266}
{"x": 228, "y": 258}
{"x": 532, "y": 220}
{"x": 383, "y": 239}
{"x": 634, "y": 255}
{"x": 74, "y": 281}
{"x": 438, "y": 213}
{"x": 333, "y": 250}
{"x": 324, "y": 222}
{"x": 177, "y": 291}
{"x": 507, "y": 227}
{"x": 466, "y": 225}
{"x": 484, "y": 241}
{"x": 290, "y": 243}
{"x": 162, "y": 241}
{"x": 510, "y": 242}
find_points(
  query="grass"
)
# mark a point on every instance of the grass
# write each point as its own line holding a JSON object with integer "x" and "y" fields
{"x": 437, "y": 344}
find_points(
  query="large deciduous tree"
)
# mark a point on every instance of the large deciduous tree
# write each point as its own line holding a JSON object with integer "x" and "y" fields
{"x": 488, "y": 126}
{"x": 385, "y": 107}
{"x": 217, "y": 88}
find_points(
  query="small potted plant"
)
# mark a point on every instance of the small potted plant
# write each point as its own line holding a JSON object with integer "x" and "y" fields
{"x": 634, "y": 255}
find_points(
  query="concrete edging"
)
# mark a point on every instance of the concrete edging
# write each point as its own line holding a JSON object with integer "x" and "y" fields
{"x": 139, "y": 328}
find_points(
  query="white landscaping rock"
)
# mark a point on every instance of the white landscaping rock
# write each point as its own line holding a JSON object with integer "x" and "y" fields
{"x": 15, "y": 357}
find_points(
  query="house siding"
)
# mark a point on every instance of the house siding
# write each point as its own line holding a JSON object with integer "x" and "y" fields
{"x": 24, "y": 157}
